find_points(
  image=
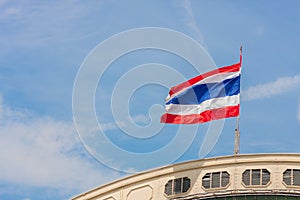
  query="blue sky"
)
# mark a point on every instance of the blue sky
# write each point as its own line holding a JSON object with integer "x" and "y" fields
{"x": 44, "y": 43}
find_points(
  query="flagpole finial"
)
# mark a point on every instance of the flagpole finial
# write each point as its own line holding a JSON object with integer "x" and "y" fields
{"x": 241, "y": 49}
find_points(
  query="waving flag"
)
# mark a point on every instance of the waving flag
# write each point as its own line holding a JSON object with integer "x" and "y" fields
{"x": 210, "y": 96}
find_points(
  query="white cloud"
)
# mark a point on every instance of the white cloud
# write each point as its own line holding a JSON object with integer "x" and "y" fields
{"x": 8, "y": 12}
{"x": 41, "y": 22}
{"x": 281, "y": 85}
{"x": 191, "y": 20}
{"x": 138, "y": 119}
{"x": 141, "y": 119}
{"x": 108, "y": 126}
{"x": 43, "y": 152}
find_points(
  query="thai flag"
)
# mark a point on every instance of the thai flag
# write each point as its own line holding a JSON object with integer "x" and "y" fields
{"x": 211, "y": 96}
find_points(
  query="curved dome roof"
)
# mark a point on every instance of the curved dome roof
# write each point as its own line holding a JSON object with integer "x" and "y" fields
{"x": 240, "y": 176}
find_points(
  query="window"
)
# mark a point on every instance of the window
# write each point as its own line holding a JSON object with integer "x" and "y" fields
{"x": 292, "y": 177}
{"x": 265, "y": 179}
{"x": 177, "y": 186}
{"x": 168, "y": 187}
{"x": 256, "y": 177}
{"x": 186, "y": 184}
{"x": 215, "y": 180}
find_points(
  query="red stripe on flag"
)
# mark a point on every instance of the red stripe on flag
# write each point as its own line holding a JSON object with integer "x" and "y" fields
{"x": 206, "y": 116}
{"x": 232, "y": 68}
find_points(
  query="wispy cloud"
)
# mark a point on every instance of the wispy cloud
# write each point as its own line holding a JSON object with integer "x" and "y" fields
{"x": 138, "y": 119}
{"x": 281, "y": 85}
{"x": 43, "y": 152}
{"x": 39, "y": 23}
{"x": 192, "y": 22}
{"x": 9, "y": 11}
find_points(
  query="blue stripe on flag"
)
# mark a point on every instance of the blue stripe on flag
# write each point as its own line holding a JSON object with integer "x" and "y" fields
{"x": 196, "y": 94}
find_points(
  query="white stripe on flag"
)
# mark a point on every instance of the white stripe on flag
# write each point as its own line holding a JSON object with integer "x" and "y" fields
{"x": 179, "y": 109}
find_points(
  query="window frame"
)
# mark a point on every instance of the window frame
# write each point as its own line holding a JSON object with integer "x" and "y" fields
{"x": 209, "y": 176}
{"x": 261, "y": 178}
{"x": 183, "y": 188}
{"x": 292, "y": 178}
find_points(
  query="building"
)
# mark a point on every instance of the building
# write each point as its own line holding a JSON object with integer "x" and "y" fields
{"x": 254, "y": 176}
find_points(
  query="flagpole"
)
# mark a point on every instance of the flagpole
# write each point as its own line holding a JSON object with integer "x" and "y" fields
{"x": 237, "y": 137}
{"x": 237, "y": 131}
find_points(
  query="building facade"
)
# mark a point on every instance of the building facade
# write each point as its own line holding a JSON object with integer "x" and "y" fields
{"x": 254, "y": 176}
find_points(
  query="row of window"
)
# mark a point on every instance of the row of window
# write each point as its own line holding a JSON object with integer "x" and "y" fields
{"x": 250, "y": 177}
